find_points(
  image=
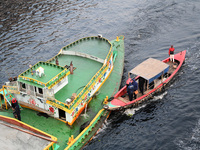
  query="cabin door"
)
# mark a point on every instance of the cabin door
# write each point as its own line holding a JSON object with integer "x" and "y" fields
{"x": 1, "y": 100}
{"x": 62, "y": 114}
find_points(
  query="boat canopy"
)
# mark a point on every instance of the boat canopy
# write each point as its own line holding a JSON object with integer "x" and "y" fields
{"x": 150, "y": 69}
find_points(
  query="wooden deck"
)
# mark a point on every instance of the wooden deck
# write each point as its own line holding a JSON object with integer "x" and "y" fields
{"x": 172, "y": 67}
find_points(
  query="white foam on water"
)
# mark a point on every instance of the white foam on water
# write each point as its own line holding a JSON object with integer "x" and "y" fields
{"x": 159, "y": 96}
{"x": 192, "y": 142}
{"x": 102, "y": 129}
{"x": 131, "y": 111}
{"x": 196, "y": 136}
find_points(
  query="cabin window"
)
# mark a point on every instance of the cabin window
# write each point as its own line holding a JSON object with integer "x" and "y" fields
{"x": 22, "y": 87}
{"x": 39, "y": 91}
{"x": 35, "y": 89}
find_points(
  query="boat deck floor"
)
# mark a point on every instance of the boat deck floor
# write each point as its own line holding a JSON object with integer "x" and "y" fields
{"x": 84, "y": 70}
{"x": 95, "y": 47}
{"x": 171, "y": 68}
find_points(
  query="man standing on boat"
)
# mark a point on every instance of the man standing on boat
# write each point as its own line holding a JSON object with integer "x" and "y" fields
{"x": 171, "y": 53}
{"x": 135, "y": 84}
{"x": 16, "y": 109}
{"x": 141, "y": 84}
{"x": 130, "y": 90}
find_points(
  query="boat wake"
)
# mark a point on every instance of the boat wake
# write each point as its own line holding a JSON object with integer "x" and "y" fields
{"x": 102, "y": 129}
{"x": 190, "y": 143}
{"x": 159, "y": 96}
{"x": 131, "y": 111}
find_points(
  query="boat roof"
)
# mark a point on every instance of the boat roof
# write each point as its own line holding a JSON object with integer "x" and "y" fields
{"x": 51, "y": 73}
{"x": 150, "y": 69}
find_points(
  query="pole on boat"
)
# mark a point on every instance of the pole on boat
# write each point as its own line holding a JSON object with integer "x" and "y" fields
{"x": 57, "y": 63}
{"x": 4, "y": 97}
{"x": 71, "y": 68}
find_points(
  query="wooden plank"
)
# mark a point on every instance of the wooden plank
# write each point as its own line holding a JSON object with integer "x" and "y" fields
{"x": 123, "y": 99}
{"x": 28, "y": 132}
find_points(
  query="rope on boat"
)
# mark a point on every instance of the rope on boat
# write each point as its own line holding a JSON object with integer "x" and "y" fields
{"x": 80, "y": 88}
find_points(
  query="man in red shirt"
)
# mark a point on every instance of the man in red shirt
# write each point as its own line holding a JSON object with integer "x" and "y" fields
{"x": 171, "y": 53}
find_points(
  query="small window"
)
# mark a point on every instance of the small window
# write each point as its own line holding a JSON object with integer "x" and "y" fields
{"x": 40, "y": 91}
{"x": 23, "y": 85}
{"x": 35, "y": 89}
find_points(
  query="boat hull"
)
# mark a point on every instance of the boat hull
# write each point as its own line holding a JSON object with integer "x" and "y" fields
{"x": 116, "y": 104}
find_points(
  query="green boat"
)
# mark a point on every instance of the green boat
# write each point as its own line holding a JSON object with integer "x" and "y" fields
{"x": 62, "y": 98}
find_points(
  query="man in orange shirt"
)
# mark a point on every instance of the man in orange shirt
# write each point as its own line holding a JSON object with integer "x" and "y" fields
{"x": 171, "y": 53}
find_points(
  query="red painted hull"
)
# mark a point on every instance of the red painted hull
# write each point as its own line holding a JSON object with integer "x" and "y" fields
{"x": 117, "y": 104}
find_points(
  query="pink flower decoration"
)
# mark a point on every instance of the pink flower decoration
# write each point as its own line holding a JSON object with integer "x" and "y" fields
{"x": 32, "y": 101}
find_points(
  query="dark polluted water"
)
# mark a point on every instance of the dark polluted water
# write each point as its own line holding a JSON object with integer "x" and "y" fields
{"x": 32, "y": 31}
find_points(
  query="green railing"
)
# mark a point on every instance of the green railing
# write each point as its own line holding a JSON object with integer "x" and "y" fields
{"x": 89, "y": 86}
{"x": 94, "y": 79}
{"x": 49, "y": 83}
{"x": 79, "y": 139}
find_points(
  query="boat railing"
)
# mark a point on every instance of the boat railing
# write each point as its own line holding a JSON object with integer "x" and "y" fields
{"x": 77, "y": 42}
{"x": 51, "y": 82}
{"x": 83, "y": 55}
{"x": 75, "y": 142}
{"x": 83, "y": 95}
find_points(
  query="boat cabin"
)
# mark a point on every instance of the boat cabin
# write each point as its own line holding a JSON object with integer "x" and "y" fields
{"x": 150, "y": 73}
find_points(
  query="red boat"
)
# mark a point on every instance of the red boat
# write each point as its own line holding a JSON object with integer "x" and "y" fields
{"x": 154, "y": 74}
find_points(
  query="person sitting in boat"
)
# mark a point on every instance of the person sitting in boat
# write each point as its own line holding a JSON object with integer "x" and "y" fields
{"x": 130, "y": 90}
{"x": 135, "y": 84}
{"x": 171, "y": 53}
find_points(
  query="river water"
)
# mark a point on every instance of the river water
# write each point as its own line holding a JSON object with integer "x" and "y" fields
{"x": 35, "y": 30}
